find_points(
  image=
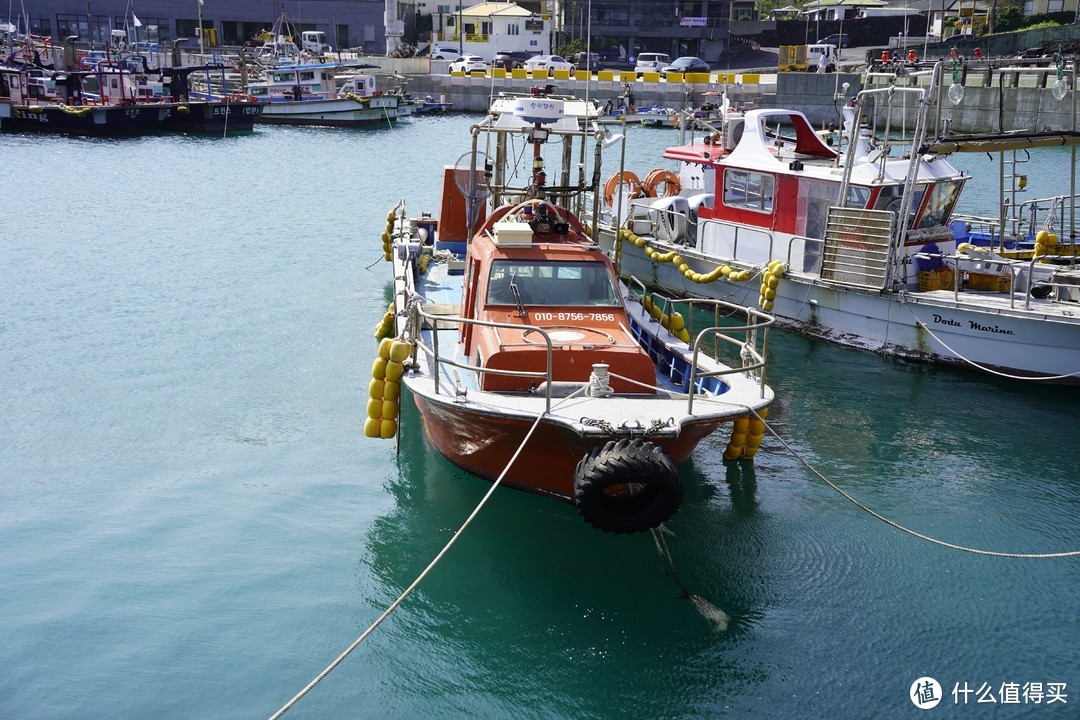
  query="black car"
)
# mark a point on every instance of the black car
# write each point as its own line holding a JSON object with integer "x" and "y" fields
{"x": 840, "y": 40}
{"x": 587, "y": 61}
{"x": 510, "y": 60}
{"x": 685, "y": 65}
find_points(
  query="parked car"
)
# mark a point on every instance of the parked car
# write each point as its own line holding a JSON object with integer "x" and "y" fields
{"x": 587, "y": 61}
{"x": 651, "y": 62}
{"x": 469, "y": 63}
{"x": 840, "y": 40}
{"x": 510, "y": 60}
{"x": 686, "y": 65}
{"x": 550, "y": 63}
{"x": 444, "y": 53}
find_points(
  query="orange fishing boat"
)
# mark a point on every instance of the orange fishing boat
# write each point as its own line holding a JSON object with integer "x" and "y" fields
{"x": 530, "y": 363}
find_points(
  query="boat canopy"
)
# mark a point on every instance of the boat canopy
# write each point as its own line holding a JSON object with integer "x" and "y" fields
{"x": 1002, "y": 142}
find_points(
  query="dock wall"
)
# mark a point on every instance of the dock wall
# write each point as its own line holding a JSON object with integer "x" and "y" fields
{"x": 1026, "y": 101}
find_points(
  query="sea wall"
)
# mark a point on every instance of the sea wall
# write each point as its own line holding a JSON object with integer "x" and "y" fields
{"x": 1025, "y": 102}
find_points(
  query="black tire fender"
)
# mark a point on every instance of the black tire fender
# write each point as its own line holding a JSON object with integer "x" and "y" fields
{"x": 627, "y": 486}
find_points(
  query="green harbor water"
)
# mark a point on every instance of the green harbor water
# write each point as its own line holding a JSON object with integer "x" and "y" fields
{"x": 193, "y": 525}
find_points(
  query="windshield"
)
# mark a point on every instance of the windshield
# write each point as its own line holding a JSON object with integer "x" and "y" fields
{"x": 548, "y": 283}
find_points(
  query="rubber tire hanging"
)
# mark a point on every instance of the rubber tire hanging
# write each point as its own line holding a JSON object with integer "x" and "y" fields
{"x": 627, "y": 486}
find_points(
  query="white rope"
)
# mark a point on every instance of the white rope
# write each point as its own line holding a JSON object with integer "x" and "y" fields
{"x": 393, "y": 606}
{"x": 924, "y": 326}
{"x": 901, "y": 528}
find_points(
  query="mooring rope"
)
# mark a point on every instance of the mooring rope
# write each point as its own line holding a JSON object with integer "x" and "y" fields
{"x": 901, "y": 528}
{"x": 393, "y": 606}
{"x": 879, "y": 516}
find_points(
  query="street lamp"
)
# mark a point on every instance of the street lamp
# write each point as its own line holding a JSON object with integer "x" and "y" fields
{"x": 460, "y": 32}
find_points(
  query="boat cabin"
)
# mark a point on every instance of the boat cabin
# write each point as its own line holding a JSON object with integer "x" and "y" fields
{"x": 531, "y": 264}
{"x": 770, "y": 172}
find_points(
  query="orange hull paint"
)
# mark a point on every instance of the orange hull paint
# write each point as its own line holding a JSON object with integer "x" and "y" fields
{"x": 483, "y": 444}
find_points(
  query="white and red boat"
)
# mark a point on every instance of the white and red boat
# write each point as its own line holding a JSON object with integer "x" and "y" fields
{"x": 529, "y": 359}
{"x": 858, "y": 244}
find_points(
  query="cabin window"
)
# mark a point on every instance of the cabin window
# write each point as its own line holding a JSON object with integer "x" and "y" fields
{"x": 891, "y": 197}
{"x": 749, "y": 190}
{"x": 548, "y": 283}
{"x": 940, "y": 205}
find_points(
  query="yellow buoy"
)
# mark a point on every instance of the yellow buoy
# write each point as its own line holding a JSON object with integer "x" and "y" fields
{"x": 387, "y": 429}
{"x": 400, "y": 351}
{"x": 389, "y": 409}
{"x": 375, "y": 389}
{"x": 741, "y": 425}
{"x": 393, "y": 371}
{"x": 384, "y": 348}
{"x": 372, "y": 427}
{"x": 391, "y": 390}
{"x": 378, "y": 368}
{"x": 374, "y": 408}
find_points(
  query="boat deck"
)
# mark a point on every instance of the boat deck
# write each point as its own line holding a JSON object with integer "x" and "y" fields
{"x": 1003, "y": 303}
{"x": 442, "y": 290}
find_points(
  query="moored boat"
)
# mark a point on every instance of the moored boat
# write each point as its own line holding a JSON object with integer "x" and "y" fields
{"x": 307, "y": 94}
{"x": 858, "y": 245}
{"x": 529, "y": 362}
{"x": 113, "y": 100}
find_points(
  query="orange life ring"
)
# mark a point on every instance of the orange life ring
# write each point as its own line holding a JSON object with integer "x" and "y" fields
{"x": 624, "y": 178}
{"x": 672, "y": 186}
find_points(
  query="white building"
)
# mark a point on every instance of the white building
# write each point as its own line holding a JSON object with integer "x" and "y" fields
{"x": 489, "y": 27}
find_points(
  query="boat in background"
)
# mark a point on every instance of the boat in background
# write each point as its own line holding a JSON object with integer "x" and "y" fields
{"x": 313, "y": 94}
{"x": 115, "y": 98}
{"x": 860, "y": 247}
{"x": 530, "y": 363}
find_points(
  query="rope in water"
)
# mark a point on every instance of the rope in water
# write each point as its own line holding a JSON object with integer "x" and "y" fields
{"x": 393, "y": 606}
{"x": 864, "y": 508}
{"x": 909, "y": 531}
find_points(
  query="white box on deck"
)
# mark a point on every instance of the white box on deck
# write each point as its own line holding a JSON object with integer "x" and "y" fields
{"x": 512, "y": 233}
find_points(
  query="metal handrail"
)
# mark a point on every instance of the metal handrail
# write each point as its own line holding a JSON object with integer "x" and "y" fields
{"x": 436, "y": 358}
{"x": 755, "y": 320}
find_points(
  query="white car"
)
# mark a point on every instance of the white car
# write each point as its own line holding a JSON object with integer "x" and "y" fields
{"x": 468, "y": 63}
{"x": 444, "y": 53}
{"x": 550, "y": 63}
{"x": 651, "y": 62}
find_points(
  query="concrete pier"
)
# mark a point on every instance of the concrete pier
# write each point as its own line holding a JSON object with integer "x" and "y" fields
{"x": 1025, "y": 102}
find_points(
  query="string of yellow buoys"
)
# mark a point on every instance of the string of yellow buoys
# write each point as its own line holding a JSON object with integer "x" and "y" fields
{"x": 384, "y": 390}
{"x": 746, "y": 435}
{"x": 1045, "y": 243}
{"x": 770, "y": 279}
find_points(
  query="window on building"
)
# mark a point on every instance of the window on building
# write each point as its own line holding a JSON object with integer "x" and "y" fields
{"x": 38, "y": 24}
{"x": 513, "y": 29}
{"x": 96, "y": 33}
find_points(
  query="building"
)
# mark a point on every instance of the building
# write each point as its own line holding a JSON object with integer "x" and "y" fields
{"x": 620, "y": 29}
{"x": 356, "y": 24}
{"x": 488, "y": 27}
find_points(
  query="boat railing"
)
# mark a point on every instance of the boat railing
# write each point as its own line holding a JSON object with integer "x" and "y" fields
{"x": 751, "y": 338}
{"x": 437, "y": 359}
{"x": 1023, "y": 221}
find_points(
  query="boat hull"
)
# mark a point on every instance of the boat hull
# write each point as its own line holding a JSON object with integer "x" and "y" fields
{"x": 483, "y": 443}
{"x": 329, "y": 113}
{"x": 928, "y": 327}
{"x": 120, "y": 120}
